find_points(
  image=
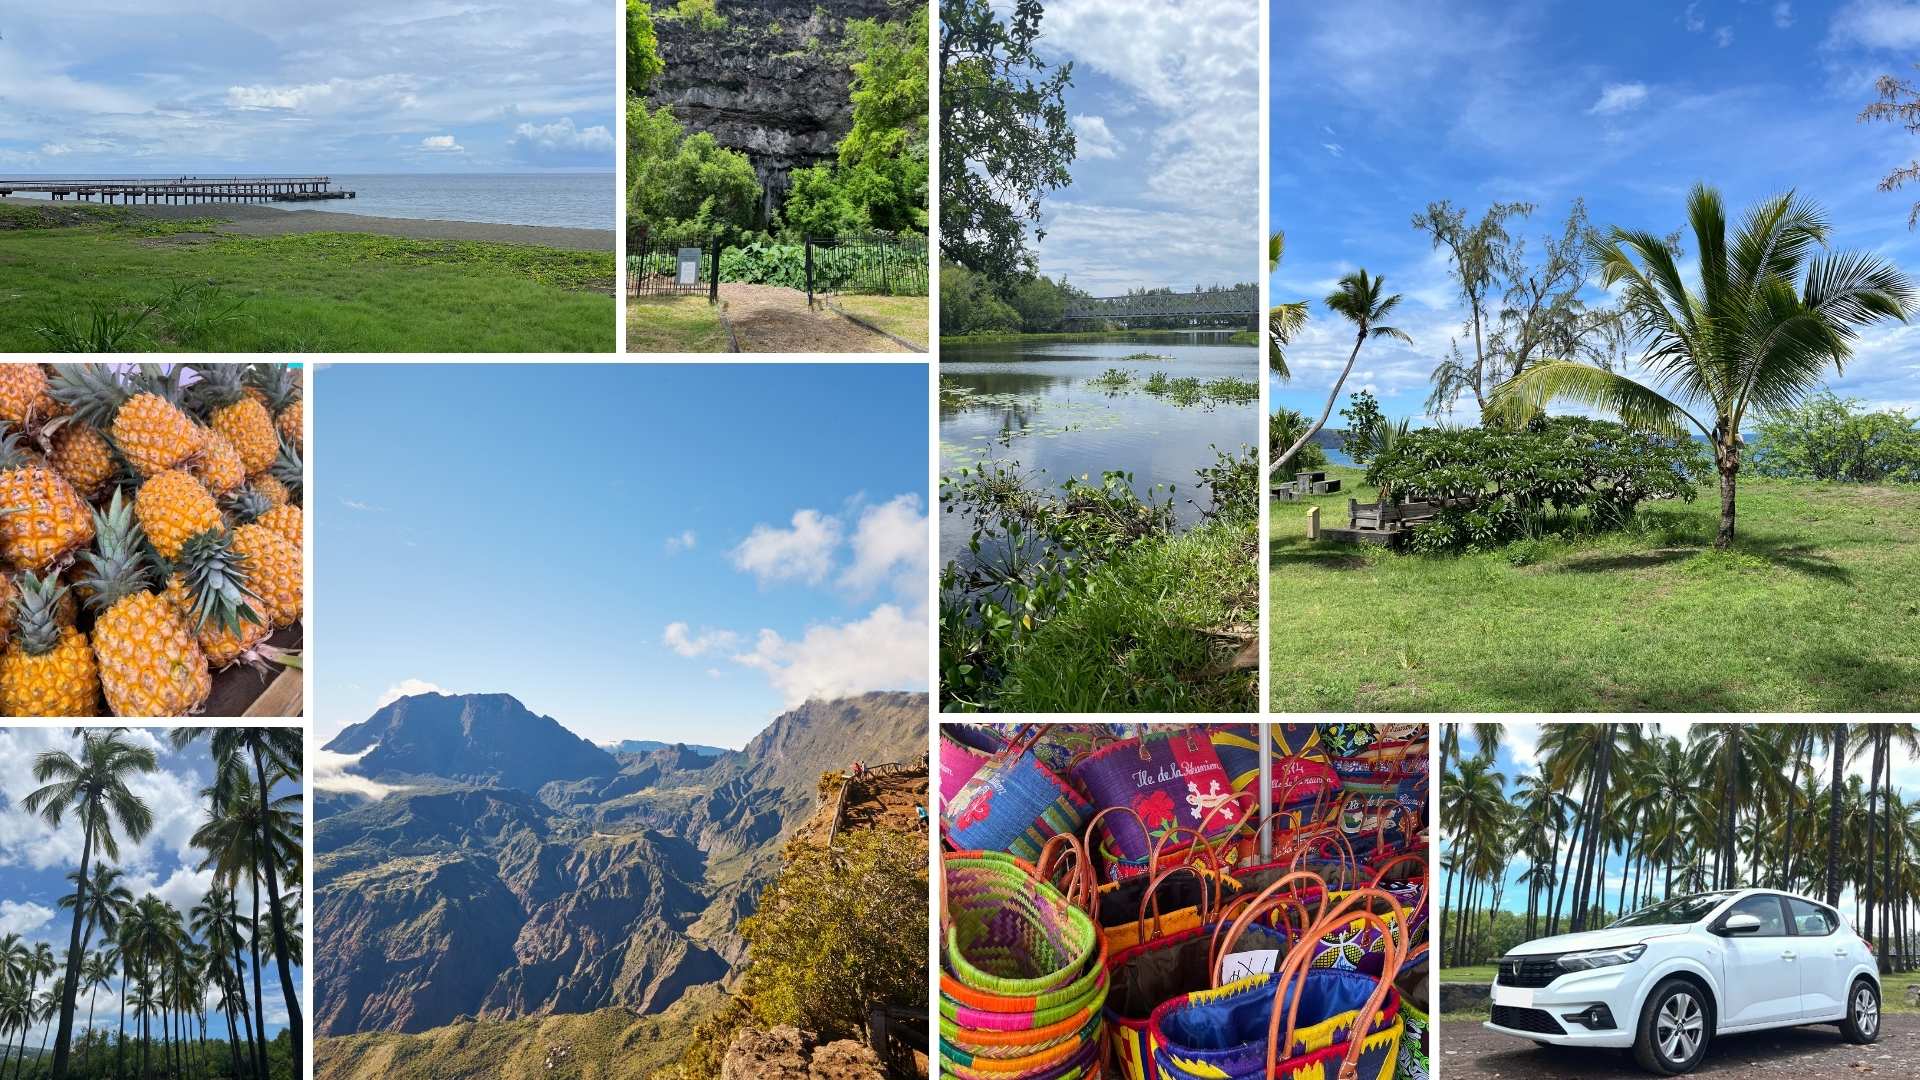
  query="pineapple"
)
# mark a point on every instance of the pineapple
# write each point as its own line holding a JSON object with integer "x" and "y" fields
{"x": 82, "y": 455}
{"x": 289, "y": 522}
{"x": 147, "y": 426}
{"x": 269, "y": 489}
{"x": 244, "y": 422}
{"x": 48, "y": 670}
{"x": 23, "y": 393}
{"x": 172, "y": 506}
{"x": 41, "y": 518}
{"x": 290, "y": 472}
{"x": 280, "y": 391}
{"x": 210, "y": 591}
{"x": 7, "y": 593}
{"x": 248, "y": 506}
{"x": 149, "y": 662}
{"x": 274, "y": 569}
{"x": 219, "y": 466}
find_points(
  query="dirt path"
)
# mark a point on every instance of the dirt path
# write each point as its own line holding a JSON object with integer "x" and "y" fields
{"x": 1471, "y": 1052}
{"x": 769, "y": 318}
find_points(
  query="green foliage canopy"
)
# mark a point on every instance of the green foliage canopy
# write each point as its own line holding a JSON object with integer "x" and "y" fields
{"x": 1828, "y": 437}
{"x": 685, "y": 186}
{"x": 643, "y": 53}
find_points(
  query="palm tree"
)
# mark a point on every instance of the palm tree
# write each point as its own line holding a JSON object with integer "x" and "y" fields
{"x": 96, "y": 973}
{"x": 1359, "y": 300}
{"x": 106, "y": 901}
{"x": 39, "y": 967}
{"x": 217, "y": 923}
{"x": 1837, "y": 754}
{"x": 45, "y": 1008}
{"x": 1745, "y": 343}
{"x": 1283, "y": 320}
{"x": 1472, "y": 803}
{"x": 233, "y": 839}
{"x": 16, "y": 1011}
{"x": 272, "y": 751}
{"x": 94, "y": 788}
{"x": 16, "y": 960}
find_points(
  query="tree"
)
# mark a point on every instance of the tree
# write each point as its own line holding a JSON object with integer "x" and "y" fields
{"x": 1359, "y": 300}
{"x": 1837, "y": 753}
{"x": 97, "y": 973}
{"x": 1005, "y": 139}
{"x": 1482, "y": 255}
{"x": 94, "y": 788}
{"x": 643, "y": 52}
{"x": 1365, "y": 422}
{"x": 1746, "y": 340}
{"x": 685, "y": 186}
{"x": 1284, "y": 320}
{"x": 1898, "y": 102}
{"x": 246, "y": 838}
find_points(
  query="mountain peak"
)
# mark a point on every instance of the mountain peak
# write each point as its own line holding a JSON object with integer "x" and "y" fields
{"x": 485, "y": 739}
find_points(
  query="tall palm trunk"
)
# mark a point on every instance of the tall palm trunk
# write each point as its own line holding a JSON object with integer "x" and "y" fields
{"x": 233, "y": 1035}
{"x": 20, "y": 1059}
{"x": 1839, "y": 748}
{"x": 1280, "y": 462}
{"x": 1886, "y": 844}
{"x": 72, "y": 984}
{"x": 1564, "y": 882}
{"x": 259, "y": 1006}
{"x": 93, "y": 994}
{"x": 120, "y": 1051}
{"x": 246, "y": 1015}
{"x": 1802, "y": 759}
{"x": 44, "y": 1032}
{"x": 1872, "y": 892}
{"x": 1451, "y": 948}
{"x": 288, "y": 990}
{"x": 1726, "y": 456}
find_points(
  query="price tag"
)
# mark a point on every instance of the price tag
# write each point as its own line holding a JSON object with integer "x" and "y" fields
{"x": 1239, "y": 965}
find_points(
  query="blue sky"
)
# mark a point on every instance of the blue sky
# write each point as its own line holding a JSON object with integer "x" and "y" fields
{"x": 1165, "y": 107}
{"x": 1382, "y": 106}
{"x": 1518, "y": 755}
{"x": 641, "y": 551}
{"x": 366, "y": 86}
{"x": 35, "y": 858}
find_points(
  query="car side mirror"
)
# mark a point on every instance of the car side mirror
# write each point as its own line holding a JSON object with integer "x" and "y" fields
{"x": 1741, "y": 923}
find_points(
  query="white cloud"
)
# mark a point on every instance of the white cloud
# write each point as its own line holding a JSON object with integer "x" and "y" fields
{"x": 441, "y": 144}
{"x": 679, "y": 637}
{"x": 1093, "y": 139}
{"x": 890, "y": 542}
{"x": 803, "y": 552}
{"x": 407, "y": 688}
{"x": 1877, "y": 24}
{"x": 682, "y": 542}
{"x": 26, "y": 839}
{"x": 886, "y": 650}
{"x": 333, "y": 96}
{"x": 23, "y": 919}
{"x": 1695, "y": 21}
{"x": 1723, "y": 36}
{"x": 1783, "y": 14}
{"x": 327, "y": 771}
{"x": 1334, "y": 148}
{"x": 1619, "y": 98}
{"x": 561, "y": 143}
{"x": 1523, "y": 742}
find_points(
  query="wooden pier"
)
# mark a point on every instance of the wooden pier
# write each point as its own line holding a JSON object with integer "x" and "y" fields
{"x": 182, "y": 189}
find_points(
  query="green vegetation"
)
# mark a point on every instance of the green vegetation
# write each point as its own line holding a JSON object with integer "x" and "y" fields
{"x": 685, "y": 187}
{"x": 902, "y": 316}
{"x": 880, "y": 179}
{"x": 1361, "y": 299}
{"x": 1620, "y": 816}
{"x": 118, "y": 283}
{"x": 1144, "y": 612}
{"x": 674, "y": 324}
{"x": 1812, "y": 610}
{"x": 1827, "y": 438}
{"x": 702, "y": 15}
{"x": 643, "y": 49}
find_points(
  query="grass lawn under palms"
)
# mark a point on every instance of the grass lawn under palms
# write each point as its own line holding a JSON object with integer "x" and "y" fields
{"x": 1812, "y": 610}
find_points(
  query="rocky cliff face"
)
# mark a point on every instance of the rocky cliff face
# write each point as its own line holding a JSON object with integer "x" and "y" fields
{"x": 445, "y": 900}
{"x": 771, "y": 84}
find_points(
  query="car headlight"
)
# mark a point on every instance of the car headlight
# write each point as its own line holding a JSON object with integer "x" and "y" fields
{"x": 1599, "y": 958}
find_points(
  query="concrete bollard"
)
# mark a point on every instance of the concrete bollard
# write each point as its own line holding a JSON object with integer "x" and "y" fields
{"x": 1313, "y": 523}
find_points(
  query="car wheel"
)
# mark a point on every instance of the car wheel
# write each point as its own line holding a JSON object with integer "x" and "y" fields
{"x": 1675, "y": 1026}
{"x": 1862, "y": 1024}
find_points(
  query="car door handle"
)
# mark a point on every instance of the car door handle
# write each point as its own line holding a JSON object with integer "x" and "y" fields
{"x": 1788, "y": 955}
{"x": 1840, "y": 952}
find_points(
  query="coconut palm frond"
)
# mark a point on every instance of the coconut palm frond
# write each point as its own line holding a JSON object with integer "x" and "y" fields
{"x": 1529, "y": 393}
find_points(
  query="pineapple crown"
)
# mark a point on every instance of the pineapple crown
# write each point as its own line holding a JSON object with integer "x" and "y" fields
{"x": 118, "y": 564}
{"x": 167, "y": 381}
{"x": 37, "y": 612}
{"x": 246, "y": 505}
{"x": 216, "y": 580}
{"x": 277, "y": 382}
{"x": 219, "y": 385}
{"x": 12, "y": 455}
{"x": 95, "y": 392}
{"x": 287, "y": 469}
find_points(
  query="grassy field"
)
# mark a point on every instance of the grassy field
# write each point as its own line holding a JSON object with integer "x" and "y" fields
{"x": 904, "y": 317}
{"x": 1139, "y": 636}
{"x": 109, "y": 281}
{"x": 1814, "y": 610}
{"x": 674, "y": 324}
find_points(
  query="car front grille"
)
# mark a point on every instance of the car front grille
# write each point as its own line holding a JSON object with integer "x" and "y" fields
{"x": 1529, "y": 972}
{"x": 1534, "y": 1020}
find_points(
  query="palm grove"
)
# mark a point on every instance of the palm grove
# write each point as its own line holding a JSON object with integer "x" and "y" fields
{"x": 1618, "y": 816}
{"x": 170, "y": 969}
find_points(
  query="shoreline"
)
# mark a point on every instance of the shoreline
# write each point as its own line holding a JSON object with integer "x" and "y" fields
{"x": 250, "y": 219}
{"x": 1072, "y": 337}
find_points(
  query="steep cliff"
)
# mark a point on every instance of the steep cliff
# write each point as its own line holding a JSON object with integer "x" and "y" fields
{"x": 772, "y": 83}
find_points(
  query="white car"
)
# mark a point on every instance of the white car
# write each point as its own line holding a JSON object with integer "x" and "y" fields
{"x": 1666, "y": 979}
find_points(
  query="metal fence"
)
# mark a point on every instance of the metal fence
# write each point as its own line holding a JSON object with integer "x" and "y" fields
{"x": 881, "y": 265}
{"x": 666, "y": 268}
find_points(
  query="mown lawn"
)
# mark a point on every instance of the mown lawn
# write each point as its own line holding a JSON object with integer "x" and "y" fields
{"x": 315, "y": 292}
{"x": 674, "y": 324}
{"x": 904, "y": 317}
{"x": 1815, "y": 610}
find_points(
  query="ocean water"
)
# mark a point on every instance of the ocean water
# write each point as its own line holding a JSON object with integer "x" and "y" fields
{"x": 570, "y": 200}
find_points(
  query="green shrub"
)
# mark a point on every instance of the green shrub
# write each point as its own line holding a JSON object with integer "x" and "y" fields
{"x": 1828, "y": 437}
{"x": 699, "y": 14}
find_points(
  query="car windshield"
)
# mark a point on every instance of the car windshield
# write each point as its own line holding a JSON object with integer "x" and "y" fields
{"x": 1680, "y": 909}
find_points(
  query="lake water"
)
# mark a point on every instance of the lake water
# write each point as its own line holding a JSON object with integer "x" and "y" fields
{"x": 1035, "y": 405}
{"x": 570, "y": 200}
